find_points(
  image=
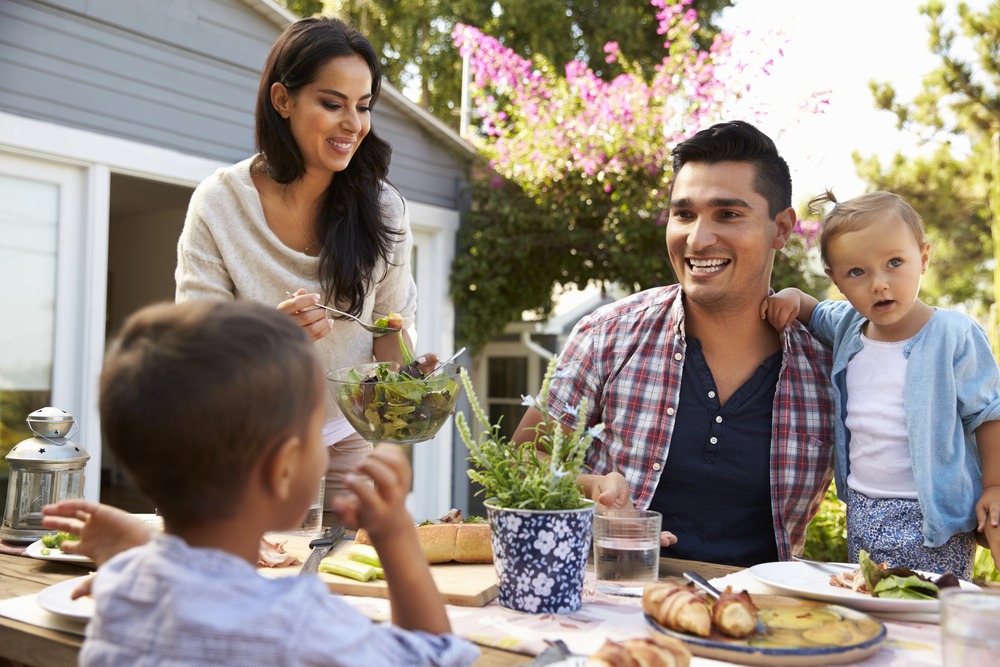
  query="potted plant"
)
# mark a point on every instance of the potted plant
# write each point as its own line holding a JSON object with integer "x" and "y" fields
{"x": 540, "y": 520}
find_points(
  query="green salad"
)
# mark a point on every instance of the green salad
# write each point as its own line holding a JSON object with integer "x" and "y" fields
{"x": 900, "y": 583}
{"x": 403, "y": 406}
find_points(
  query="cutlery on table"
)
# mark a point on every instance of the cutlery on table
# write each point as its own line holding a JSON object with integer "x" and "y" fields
{"x": 835, "y": 567}
{"x": 702, "y": 583}
{"x": 321, "y": 546}
{"x": 370, "y": 327}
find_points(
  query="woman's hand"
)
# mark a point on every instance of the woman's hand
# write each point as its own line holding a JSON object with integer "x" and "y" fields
{"x": 302, "y": 307}
{"x": 104, "y": 531}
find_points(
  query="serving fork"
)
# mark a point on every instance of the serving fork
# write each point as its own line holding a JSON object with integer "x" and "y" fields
{"x": 365, "y": 325}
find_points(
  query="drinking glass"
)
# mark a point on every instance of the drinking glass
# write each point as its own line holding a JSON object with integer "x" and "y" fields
{"x": 626, "y": 550}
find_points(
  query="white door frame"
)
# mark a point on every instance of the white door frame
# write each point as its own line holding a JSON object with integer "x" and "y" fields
{"x": 57, "y": 151}
{"x": 434, "y": 229}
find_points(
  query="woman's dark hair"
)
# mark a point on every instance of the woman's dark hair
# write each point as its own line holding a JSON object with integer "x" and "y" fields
{"x": 739, "y": 141}
{"x": 352, "y": 226}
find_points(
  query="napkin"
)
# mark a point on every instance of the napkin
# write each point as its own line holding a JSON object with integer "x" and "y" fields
{"x": 26, "y": 610}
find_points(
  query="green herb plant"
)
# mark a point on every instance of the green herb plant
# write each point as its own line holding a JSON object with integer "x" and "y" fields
{"x": 539, "y": 474}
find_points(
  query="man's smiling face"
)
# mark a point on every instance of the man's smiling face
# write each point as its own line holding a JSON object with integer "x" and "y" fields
{"x": 720, "y": 235}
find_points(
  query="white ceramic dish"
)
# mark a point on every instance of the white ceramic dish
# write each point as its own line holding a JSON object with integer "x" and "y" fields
{"x": 56, "y": 600}
{"x": 35, "y": 551}
{"x": 575, "y": 661}
{"x": 805, "y": 580}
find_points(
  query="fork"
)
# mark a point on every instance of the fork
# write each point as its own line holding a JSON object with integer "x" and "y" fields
{"x": 370, "y": 327}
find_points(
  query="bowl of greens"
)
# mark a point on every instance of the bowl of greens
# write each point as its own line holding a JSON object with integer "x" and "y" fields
{"x": 385, "y": 403}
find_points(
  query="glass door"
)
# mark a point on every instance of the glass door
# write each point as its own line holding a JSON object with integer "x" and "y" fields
{"x": 41, "y": 254}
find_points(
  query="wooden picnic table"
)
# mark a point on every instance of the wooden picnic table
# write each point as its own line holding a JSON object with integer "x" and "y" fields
{"x": 34, "y": 646}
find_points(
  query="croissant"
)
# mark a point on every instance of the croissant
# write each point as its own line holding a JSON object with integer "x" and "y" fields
{"x": 653, "y": 651}
{"x": 734, "y": 614}
{"x": 677, "y": 607}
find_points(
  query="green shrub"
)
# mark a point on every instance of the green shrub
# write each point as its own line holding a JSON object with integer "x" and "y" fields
{"x": 826, "y": 536}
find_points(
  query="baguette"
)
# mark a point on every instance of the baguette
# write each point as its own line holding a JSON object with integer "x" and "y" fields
{"x": 446, "y": 542}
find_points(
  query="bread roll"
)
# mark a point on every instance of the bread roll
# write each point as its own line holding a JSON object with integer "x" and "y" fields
{"x": 446, "y": 542}
{"x": 734, "y": 614}
{"x": 654, "y": 651}
{"x": 677, "y": 607}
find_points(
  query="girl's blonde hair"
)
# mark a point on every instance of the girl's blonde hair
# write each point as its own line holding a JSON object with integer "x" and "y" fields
{"x": 857, "y": 213}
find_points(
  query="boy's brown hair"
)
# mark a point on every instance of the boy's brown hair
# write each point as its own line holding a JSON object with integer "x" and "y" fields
{"x": 193, "y": 395}
{"x": 857, "y": 213}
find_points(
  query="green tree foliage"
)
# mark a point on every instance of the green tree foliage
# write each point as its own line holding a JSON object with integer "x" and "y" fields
{"x": 414, "y": 36}
{"x": 957, "y": 113}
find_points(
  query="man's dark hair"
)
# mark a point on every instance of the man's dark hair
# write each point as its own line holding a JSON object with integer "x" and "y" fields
{"x": 739, "y": 141}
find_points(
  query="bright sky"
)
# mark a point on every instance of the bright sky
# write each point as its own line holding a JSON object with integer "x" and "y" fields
{"x": 838, "y": 46}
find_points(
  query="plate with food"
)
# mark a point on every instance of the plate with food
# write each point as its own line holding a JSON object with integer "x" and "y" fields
{"x": 796, "y": 631}
{"x": 56, "y": 600}
{"x": 47, "y": 548}
{"x": 898, "y": 589}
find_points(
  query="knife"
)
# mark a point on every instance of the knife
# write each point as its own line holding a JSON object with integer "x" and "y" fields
{"x": 321, "y": 546}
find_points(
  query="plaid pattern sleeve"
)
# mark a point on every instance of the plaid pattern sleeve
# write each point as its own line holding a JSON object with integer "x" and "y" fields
{"x": 802, "y": 438}
{"x": 625, "y": 361}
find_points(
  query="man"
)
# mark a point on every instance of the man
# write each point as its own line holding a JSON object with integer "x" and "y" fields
{"x": 711, "y": 418}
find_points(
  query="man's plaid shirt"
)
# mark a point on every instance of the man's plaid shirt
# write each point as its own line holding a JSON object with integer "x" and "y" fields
{"x": 626, "y": 359}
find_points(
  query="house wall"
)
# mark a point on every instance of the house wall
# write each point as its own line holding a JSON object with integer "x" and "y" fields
{"x": 178, "y": 74}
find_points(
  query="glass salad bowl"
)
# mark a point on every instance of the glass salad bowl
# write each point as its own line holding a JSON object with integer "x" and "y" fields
{"x": 384, "y": 405}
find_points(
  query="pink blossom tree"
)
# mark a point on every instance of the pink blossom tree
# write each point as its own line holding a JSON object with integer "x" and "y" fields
{"x": 584, "y": 163}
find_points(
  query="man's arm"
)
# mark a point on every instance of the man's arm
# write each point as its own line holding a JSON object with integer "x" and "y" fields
{"x": 610, "y": 491}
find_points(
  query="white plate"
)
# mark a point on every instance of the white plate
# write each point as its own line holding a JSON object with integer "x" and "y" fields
{"x": 575, "y": 661}
{"x": 810, "y": 581}
{"x": 35, "y": 551}
{"x": 56, "y": 599}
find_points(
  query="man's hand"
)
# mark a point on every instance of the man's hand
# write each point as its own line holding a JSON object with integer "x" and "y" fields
{"x": 608, "y": 491}
{"x": 104, "y": 531}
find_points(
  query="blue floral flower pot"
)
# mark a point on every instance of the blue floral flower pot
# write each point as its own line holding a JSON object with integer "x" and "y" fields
{"x": 540, "y": 557}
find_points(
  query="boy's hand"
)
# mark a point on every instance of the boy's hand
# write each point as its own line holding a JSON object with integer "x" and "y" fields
{"x": 379, "y": 506}
{"x": 104, "y": 531}
{"x": 780, "y": 310}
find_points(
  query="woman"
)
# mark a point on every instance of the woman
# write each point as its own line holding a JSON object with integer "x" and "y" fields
{"x": 311, "y": 214}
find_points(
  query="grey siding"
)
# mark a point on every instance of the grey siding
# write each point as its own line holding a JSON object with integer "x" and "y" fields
{"x": 178, "y": 74}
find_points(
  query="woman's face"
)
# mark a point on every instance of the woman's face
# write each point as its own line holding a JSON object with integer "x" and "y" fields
{"x": 330, "y": 116}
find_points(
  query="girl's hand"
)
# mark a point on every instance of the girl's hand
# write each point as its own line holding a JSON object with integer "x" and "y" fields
{"x": 780, "y": 311}
{"x": 301, "y": 306}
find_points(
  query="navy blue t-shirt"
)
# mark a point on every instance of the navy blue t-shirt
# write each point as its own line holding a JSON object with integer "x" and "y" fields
{"x": 715, "y": 490}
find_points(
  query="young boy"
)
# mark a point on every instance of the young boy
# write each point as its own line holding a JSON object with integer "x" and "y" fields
{"x": 215, "y": 408}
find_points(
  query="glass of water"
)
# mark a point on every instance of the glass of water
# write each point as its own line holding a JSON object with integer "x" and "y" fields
{"x": 970, "y": 628}
{"x": 312, "y": 524}
{"x": 626, "y": 550}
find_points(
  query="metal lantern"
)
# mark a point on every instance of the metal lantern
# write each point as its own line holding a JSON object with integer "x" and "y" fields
{"x": 44, "y": 469}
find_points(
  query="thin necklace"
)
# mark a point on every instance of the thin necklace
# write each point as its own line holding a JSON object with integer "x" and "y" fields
{"x": 295, "y": 219}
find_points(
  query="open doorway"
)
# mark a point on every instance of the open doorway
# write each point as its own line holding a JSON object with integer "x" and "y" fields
{"x": 145, "y": 221}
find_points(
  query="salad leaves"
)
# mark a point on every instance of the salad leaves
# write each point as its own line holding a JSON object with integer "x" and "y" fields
{"x": 398, "y": 406}
{"x": 899, "y": 582}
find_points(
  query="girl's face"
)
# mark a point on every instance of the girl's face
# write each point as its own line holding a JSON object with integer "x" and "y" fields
{"x": 330, "y": 116}
{"x": 878, "y": 268}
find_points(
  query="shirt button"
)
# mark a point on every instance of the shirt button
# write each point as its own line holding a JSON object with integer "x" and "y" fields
{"x": 713, "y": 440}
{"x": 656, "y": 466}
{"x": 670, "y": 411}
{"x": 678, "y": 356}
{"x": 711, "y": 394}
{"x": 718, "y": 420}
